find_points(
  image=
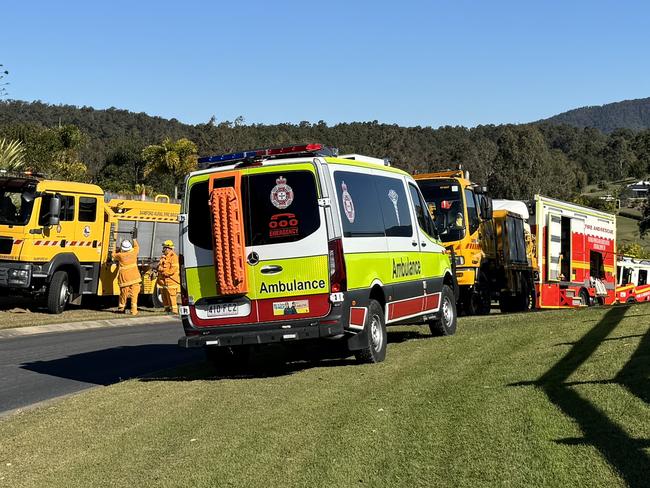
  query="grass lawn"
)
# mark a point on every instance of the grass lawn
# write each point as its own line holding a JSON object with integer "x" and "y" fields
{"x": 549, "y": 399}
{"x": 24, "y": 312}
{"x": 627, "y": 231}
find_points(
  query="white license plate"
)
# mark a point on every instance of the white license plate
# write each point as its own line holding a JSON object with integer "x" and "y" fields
{"x": 223, "y": 310}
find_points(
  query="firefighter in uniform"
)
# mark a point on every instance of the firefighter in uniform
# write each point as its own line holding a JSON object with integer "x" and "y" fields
{"x": 168, "y": 276}
{"x": 128, "y": 275}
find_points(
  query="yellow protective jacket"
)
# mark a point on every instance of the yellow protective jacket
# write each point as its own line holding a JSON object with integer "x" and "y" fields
{"x": 128, "y": 272}
{"x": 168, "y": 271}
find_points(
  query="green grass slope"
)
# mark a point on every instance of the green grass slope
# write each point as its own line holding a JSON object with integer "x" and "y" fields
{"x": 627, "y": 231}
{"x": 545, "y": 399}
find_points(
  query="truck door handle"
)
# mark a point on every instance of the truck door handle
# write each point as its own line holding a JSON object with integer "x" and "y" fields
{"x": 414, "y": 243}
{"x": 423, "y": 244}
{"x": 272, "y": 269}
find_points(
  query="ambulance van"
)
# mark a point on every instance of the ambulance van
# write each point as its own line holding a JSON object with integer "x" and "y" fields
{"x": 297, "y": 243}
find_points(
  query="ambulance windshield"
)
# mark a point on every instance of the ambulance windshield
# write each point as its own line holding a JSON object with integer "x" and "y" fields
{"x": 446, "y": 206}
{"x": 16, "y": 201}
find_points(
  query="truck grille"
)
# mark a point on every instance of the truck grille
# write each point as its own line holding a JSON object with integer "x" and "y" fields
{"x": 6, "y": 243}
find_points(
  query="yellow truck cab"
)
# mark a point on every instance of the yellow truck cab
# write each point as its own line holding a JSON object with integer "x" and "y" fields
{"x": 288, "y": 244}
{"x": 57, "y": 238}
{"x": 493, "y": 250}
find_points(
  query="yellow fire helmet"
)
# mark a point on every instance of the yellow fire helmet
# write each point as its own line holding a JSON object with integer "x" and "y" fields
{"x": 168, "y": 243}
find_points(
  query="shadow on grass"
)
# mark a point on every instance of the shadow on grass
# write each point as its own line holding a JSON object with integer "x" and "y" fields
{"x": 613, "y": 442}
{"x": 274, "y": 360}
{"x": 108, "y": 366}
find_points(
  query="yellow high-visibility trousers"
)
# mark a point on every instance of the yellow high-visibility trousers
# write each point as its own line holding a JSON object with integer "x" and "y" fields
{"x": 169, "y": 297}
{"x": 132, "y": 292}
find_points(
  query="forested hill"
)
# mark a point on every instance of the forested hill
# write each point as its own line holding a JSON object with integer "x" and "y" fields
{"x": 515, "y": 161}
{"x": 629, "y": 114}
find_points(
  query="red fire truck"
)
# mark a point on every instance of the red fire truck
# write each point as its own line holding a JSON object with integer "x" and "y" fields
{"x": 632, "y": 280}
{"x": 576, "y": 253}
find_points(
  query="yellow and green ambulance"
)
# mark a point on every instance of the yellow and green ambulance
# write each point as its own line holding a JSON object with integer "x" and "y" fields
{"x": 297, "y": 243}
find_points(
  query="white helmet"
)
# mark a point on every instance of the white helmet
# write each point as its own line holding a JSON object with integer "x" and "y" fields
{"x": 126, "y": 246}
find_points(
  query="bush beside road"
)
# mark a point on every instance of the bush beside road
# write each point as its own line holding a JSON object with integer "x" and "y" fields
{"x": 551, "y": 399}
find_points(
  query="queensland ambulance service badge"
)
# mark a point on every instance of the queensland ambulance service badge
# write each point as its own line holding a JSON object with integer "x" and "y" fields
{"x": 281, "y": 194}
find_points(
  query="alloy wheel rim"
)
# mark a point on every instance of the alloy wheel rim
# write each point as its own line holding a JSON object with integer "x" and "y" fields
{"x": 64, "y": 294}
{"x": 447, "y": 312}
{"x": 375, "y": 333}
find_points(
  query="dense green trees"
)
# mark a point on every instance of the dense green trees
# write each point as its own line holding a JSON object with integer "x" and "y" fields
{"x": 515, "y": 161}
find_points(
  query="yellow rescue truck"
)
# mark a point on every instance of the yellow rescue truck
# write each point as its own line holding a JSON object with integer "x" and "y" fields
{"x": 491, "y": 242}
{"x": 57, "y": 238}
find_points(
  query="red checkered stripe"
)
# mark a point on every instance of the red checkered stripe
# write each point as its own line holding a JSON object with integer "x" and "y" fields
{"x": 67, "y": 244}
{"x": 46, "y": 243}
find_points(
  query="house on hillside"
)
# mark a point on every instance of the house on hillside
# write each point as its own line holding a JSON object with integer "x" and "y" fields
{"x": 640, "y": 188}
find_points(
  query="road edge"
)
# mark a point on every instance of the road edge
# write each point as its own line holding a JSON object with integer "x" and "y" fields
{"x": 85, "y": 325}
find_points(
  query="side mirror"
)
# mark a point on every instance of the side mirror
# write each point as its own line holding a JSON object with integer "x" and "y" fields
{"x": 486, "y": 207}
{"x": 55, "y": 210}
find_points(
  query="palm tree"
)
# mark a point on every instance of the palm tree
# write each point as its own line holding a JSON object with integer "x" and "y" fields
{"x": 12, "y": 155}
{"x": 171, "y": 157}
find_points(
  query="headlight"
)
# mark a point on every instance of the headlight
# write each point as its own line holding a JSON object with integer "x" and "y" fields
{"x": 21, "y": 274}
{"x": 460, "y": 260}
{"x": 18, "y": 276}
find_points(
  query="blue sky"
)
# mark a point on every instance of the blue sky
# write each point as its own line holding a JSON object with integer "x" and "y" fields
{"x": 405, "y": 62}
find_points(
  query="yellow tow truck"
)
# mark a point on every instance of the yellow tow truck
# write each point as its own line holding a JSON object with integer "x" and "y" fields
{"x": 493, "y": 250}
{"x": 57, "y": 238}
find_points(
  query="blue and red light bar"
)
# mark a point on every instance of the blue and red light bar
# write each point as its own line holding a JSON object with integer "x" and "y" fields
{"x": 254, "y": 154}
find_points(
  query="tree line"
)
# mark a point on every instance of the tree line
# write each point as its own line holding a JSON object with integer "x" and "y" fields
{"x": 118, "y": 149}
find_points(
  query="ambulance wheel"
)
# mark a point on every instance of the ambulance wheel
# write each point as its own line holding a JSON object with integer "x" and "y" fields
{"x": 584, "y": 298}
{"x": 445, "y": 325}
{"x": 58, "y": 293}
{"x": 375, "y": 330}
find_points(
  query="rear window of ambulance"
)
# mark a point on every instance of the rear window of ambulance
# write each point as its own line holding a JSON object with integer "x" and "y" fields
{"x": 278, "y": 208}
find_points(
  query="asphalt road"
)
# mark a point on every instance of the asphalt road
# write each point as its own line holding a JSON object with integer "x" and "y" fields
{"x": 41, "y": 367}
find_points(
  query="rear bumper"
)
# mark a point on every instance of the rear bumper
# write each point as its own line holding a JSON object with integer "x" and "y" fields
{"x": 330, "y": 325}
{"x": 257, "y": 336}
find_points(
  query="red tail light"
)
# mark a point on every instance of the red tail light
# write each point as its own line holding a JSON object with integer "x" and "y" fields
{"x": 338, "y": 275}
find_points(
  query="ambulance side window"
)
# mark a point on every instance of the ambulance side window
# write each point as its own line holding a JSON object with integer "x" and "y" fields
{"x": 422, "y": 212}
{"x": 358, "y": 204}
{"x": 87, "y": 209}
{"x": 394, "y": 206}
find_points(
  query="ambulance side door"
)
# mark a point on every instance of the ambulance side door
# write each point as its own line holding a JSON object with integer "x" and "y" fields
{"x": 433, "y": 256}
{"x": 403, "y": 246}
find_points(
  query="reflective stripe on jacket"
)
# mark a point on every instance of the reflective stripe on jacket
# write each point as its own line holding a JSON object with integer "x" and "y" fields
{"x": 128, "y": 272}
{"x": 168, "y": 271}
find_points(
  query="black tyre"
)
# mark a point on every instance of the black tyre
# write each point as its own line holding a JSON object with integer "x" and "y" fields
{"x": 156, "y": 299}
{"x": 58, "y": 293}
{"x": 505, "y": 303}
{"x": 584, "y": 298}
{"x": 375, "y": 329}
{"x": 478, "y": 301}
{"x": 524, "y": 301}
{"x": 445, "y": 324}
